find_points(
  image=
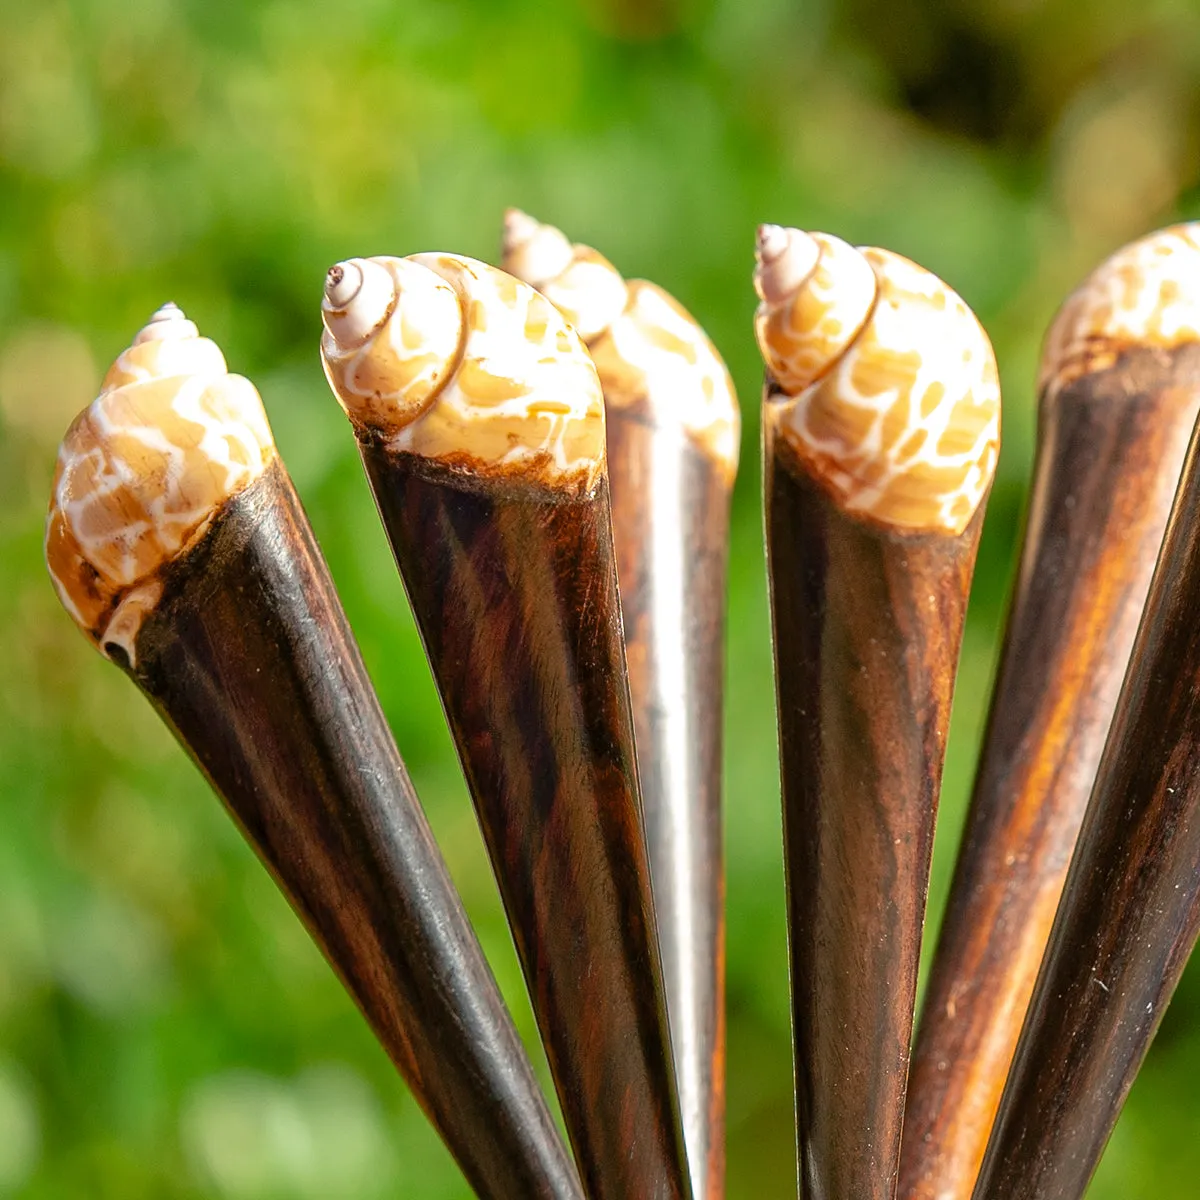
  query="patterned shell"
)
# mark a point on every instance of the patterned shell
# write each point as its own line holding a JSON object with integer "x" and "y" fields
{"x": 142, "y": 471}
{"x": 649, "y": 351}
{"x": 1146, "y": 294}
{"x": 891, "y": 396}
{"x": 456, "y": 361}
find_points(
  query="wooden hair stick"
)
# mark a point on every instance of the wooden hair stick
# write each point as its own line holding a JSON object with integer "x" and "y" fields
{"x": 177, "y": 543}
{"x": 881, "y": 431}
{"x": 1130, "y": 909}
{"x": 1119, "y": 398}
{"x": 481, "y": 426}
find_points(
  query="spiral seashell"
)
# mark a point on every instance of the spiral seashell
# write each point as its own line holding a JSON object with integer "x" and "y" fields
{"x": 890, "y": 388}
{"x": 454, "y": 360}
{"x": 141, "y": 472}
{"x": 1146, "y": 294}
{"x": 580, "y": 282}
{"x": 649, "y": 352}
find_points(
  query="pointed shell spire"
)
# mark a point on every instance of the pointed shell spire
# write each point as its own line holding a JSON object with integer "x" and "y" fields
{"x": 143, "y": 470}
{"x": 892, "y": 397}
{"x": 784, "y": 259}
{"x": 392, "y": 336}
{"x": 532, "y": 251}
{"x": 816, "y": 294}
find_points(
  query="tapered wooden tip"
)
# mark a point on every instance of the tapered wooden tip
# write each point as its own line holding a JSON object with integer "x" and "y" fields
{"x": 455, "y": 361}
{"x": 890, "y": 388}
{"x": 652, "y": 356}
{"x": 141, "y": 472}
{"x": 1146, "y": 295}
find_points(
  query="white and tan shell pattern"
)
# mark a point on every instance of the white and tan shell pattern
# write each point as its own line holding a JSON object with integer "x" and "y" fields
{"x": 143, "y": 469}
{"x": 649, "y": 351}
{"x": 1146, "y": 294}
{"x": 454, "y": 360}
{"x": 889, "y": 388}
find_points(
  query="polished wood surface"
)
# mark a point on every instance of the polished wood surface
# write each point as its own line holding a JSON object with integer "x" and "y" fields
{"x": 514, "y": 589}
{"x": 867, "y": 625}
{"x": 1110, "y": 449}
{"x": 250, "y": 660}
{"x": 670, "y": 505}
{"x": 1130, "y": 909}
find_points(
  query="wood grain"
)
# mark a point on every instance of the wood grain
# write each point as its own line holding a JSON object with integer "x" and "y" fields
{"x": 1110, "y": 449}
{"x": 250, "y": 661}
{"x": 867, "y": 626}
{"x": 1130, "y": 909}
{"x": 670, "y": 505}
{"x": 514, "y": 589}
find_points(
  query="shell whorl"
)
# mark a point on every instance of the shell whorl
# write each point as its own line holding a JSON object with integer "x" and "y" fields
{"x": 456, "y": 361}
{"x": 142, "y": 471}
{"x": 393, "y": 331}
{"x": 891, "y": 396}
{"x": 1146, "y": 294}
{"x": 649, "y": 351}
{"x": 816, "y": 293}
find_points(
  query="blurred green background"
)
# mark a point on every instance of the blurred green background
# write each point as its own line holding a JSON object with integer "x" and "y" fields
{"x": 166, "y": 1027}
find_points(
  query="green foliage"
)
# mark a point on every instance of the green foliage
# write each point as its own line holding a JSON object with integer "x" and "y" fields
{"x": 166, "y": 1028}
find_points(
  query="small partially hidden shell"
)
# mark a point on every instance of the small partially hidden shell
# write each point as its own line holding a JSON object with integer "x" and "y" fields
{"x": 651, "y": 354}
{"x": 893, "y": 397}
{"x": 1146, "y": 294}
{"x": 457, "y": 361}
{"x": 580, "y": 282}
{"x": 142, "y": 471}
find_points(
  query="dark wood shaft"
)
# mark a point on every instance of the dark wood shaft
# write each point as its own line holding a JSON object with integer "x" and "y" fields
{"x": 1130, "y": 910}
{"x": 867, "y": 626}
{"x": 250, "y": 660}
{"x": 514, "y": 589}
{"x": 671, "y": 532}
{"x": 1110, "y": 449}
